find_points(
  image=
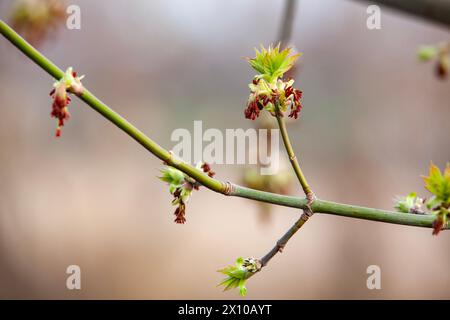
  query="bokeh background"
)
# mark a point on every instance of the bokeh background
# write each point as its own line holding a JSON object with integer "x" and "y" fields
{"x": 373, "y": 119}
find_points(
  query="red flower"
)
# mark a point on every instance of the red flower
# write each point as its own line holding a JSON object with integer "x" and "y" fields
{"x": 180, "y": 211}
{"x": 252, "y": 111}
{"x": 296, "y": 106}
{"x": 70, "y": 82}
{"x": 272, "y": 97}
{"x": 59, "y": 106}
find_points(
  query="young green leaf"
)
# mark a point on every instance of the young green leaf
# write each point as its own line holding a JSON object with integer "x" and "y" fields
{"x": 439, "y": 184}
{"x": 272, "y": 63}
{"x": 238, "y": 274}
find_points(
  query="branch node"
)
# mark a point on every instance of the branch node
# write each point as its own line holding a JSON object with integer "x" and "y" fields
{"x": 228, "y": 188}
{"x": 280, "y": 246}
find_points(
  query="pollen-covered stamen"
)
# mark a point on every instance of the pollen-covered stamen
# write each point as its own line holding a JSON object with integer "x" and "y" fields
{"x": 207, "y": 169}
{"x": 69, "y": 83}
{"x": 180, "y": 213}
{"x": 59, "y": 106}
{"x": 295, "y": 96}
{"x": 252, "y": 111}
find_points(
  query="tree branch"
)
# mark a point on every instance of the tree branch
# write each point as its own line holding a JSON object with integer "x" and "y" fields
{"x": 292, "y": 157}
{"x": 434, "y": 10}
{"x": 211, "y": 183}
{"x": 284, "y": 36}
{"x": 285, "y": 31}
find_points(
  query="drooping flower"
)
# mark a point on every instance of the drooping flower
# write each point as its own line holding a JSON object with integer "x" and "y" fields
{"x": 181, "y": 187}
{"x": 268, "y": 90}
{"x": 69, "y": 83}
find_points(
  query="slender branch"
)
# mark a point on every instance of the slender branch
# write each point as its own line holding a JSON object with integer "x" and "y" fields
{"x": 335, "y": 208}
{"x": 292, "y": 157}
{"x": 284, "y": 36}
{"x": 285, "y": 31}
{"x": 211, "y": 183}
{"x": 281, "y": 243}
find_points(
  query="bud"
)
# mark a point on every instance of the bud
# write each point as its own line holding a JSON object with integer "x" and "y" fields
{"x": 410, "y": 204}
{"x": 238, "y": 274}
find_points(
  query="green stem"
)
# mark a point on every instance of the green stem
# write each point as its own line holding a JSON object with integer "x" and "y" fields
{"x": 290, "y": 151}
{"x": 334, "y": 208}
{"x": 211, "y": 183}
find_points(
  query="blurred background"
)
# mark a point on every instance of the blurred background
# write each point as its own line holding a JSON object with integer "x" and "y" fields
{"x": 373, "y": 118}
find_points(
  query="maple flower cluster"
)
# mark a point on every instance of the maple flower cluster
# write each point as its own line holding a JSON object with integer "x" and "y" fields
{"x": 268, "y": 90}
{"x": 181, "y": 187}
{"x": 438, "y": 183}
{"x": 69, "y": 83}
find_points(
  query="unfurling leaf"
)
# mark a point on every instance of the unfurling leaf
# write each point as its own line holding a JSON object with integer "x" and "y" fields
{"x": 238, "y": 274}
{"x": 272, "y": 63}
{"x": 439, "y": 184}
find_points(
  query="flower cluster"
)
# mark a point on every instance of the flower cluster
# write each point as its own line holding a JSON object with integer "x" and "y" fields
{"x": 69, "y": 83}
{"x": 268, "y": 90}
{"x": 440, "y": 54}
{"x": 238, "y": 274}
{"x": 181, "y": 187}
{"x": 410, "y": 204}
{"x": 35, "y": 19}
{"x": 438, "y": 184}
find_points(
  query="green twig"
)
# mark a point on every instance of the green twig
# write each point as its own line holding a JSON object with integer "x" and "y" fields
{"x": 211, "y": 183}
{"x": 292, "y": 157}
